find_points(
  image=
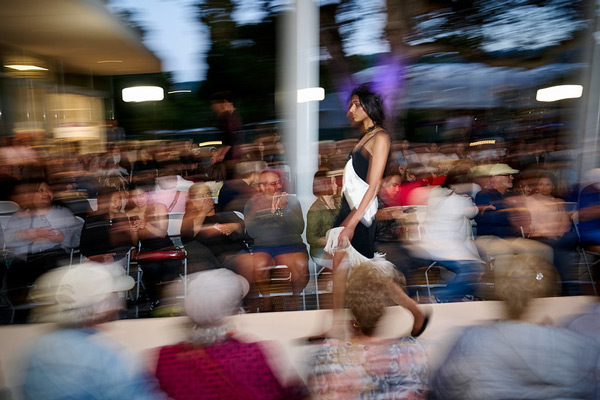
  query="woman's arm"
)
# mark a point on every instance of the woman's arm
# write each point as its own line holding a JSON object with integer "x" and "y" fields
{"x": 193, "y": 219}
{"x": 156, "y": 223}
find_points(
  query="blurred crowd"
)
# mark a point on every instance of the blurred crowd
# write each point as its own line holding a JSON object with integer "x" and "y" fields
{"x": 510, "y": 216}
{"x": 464, "y": 209}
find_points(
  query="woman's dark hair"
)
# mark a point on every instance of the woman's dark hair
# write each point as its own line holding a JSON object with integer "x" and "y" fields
{"x": 371, "y": 102}
{"x": 145, "y": 185}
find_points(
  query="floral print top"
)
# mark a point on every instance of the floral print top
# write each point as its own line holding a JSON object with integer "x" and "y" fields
{"x": 386, "y": 369}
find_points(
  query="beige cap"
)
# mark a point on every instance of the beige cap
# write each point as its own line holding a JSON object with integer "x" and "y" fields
{"x": 481, "y": 170}
{"x": 502, "y": 169}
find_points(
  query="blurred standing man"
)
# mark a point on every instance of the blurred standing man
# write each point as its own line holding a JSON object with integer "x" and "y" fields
{"x": 230, "y": 127}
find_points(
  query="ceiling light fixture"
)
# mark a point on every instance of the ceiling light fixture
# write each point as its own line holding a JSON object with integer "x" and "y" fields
{"x": 137, "y": 94}
{"x": 21, "y": 67}
{"x": 561, "y": 92}
{"x": 311, "y": 94}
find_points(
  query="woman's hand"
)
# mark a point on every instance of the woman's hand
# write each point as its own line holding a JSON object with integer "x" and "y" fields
{"x": 137, "y": 225}
{"x": 204, "y": 205}
{"x": 279, "y": 202}
{"x": 345, "y": 237}
{"x": 49, "y": 233}
{"x": 228, "y": 228}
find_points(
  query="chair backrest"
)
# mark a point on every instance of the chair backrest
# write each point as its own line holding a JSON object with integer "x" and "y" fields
{"x": 570, "y": 206}
{"x": 7, "y": 210}
{"x": 174, "y": 225}
{"x": 4, "y": 220}
{"x": 93, "y": 204}
{"x": 8, "y": 207}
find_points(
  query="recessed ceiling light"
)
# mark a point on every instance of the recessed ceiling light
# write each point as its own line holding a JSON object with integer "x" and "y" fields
{"x": 20, "y": 67}
{"x": 138, "y": 94}
{"x": 561, "y": 92}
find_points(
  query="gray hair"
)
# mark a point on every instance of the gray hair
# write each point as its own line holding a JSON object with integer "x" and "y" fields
{"x": 249, "y": 167}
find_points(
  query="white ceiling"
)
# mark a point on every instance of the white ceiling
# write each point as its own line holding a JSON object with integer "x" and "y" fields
{"x": 79, "y": 33}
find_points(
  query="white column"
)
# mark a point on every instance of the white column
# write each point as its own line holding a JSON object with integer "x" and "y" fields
{"x": 299, "y": 69}
{"x": 587, "y": 136}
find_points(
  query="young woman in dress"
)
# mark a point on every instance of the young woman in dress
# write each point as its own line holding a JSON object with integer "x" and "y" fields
{"x": 362, "y": 179}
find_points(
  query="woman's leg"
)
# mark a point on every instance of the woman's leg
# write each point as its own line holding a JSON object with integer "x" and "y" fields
{"x": 340, "y": 276}
{"x": 298, "y": 266}
{"x": 244, "y": 266}
{"x": 467, "y": 273}
{"x": 400, "y": 297}
{"x": 262, "y": 277}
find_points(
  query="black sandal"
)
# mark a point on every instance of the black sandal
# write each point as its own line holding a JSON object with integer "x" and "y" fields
{"x": 424, "y": 326}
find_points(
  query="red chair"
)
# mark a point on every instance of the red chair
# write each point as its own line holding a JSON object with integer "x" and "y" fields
{"x": 175, "y": 253}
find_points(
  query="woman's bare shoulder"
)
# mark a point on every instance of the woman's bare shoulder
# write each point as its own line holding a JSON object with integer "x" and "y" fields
{"x": 381, "y": 139}
{"x": 157, "y": 208}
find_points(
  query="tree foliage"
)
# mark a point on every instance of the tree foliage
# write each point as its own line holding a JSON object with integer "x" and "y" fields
{"x": 241, "y": 59}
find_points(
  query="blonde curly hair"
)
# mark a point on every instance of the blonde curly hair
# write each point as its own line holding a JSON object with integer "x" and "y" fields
{"x": 526, "y": 277}
{"x": 368, "y": 292}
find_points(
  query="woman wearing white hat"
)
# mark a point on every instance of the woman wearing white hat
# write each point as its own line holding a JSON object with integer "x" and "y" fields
{"x": 78, "y": 361}
{"x": 214, "y": 364}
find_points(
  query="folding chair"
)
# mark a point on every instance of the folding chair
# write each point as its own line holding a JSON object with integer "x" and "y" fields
{"x": 584, "y": 251}
{"x": 176, "y": 253}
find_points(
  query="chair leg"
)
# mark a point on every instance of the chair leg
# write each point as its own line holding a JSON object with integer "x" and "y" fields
{"x": 427, "y": 277}
{"x": 316, "y": 283}
{"x": 10, "y": 305}
{"x": 589, "y": 271}
{"x": 184, "y": 278}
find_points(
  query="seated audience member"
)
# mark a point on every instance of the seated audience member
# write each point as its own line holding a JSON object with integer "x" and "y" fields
{"x": 432, "y": 155}
{"x": 494, "y": 217}
{"x": 320, "y": 216}
{"x": 149, "y": 223}
{"x": 364, "y": 365}
{"x": 145, "y": 167}
{"x": 448, "y": 237}
{"x": 236, "y": 192}
{"x": 393, "y": 221}
{"x": 106, "y": 233}
{"x": 516, "y": 359}
{"x": 171, "y": 189}
{"x": 550, "y": 224}
{"x": 481, "y": 178}
{"x": 214, "y": 240}
{"x": 391, "y": 183}
{"x": 78, "y": 361}
{"x": 416, "y": 184}
{"x": 274, "y": 220}
{"x": 402, "y": 155}
{"x": 502, "y": 220}
{"x": 589, "y": 209}
{"x": 216, "y": 363}
{"x": 116, "y": 163}
{"x": 40, "y": 237}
